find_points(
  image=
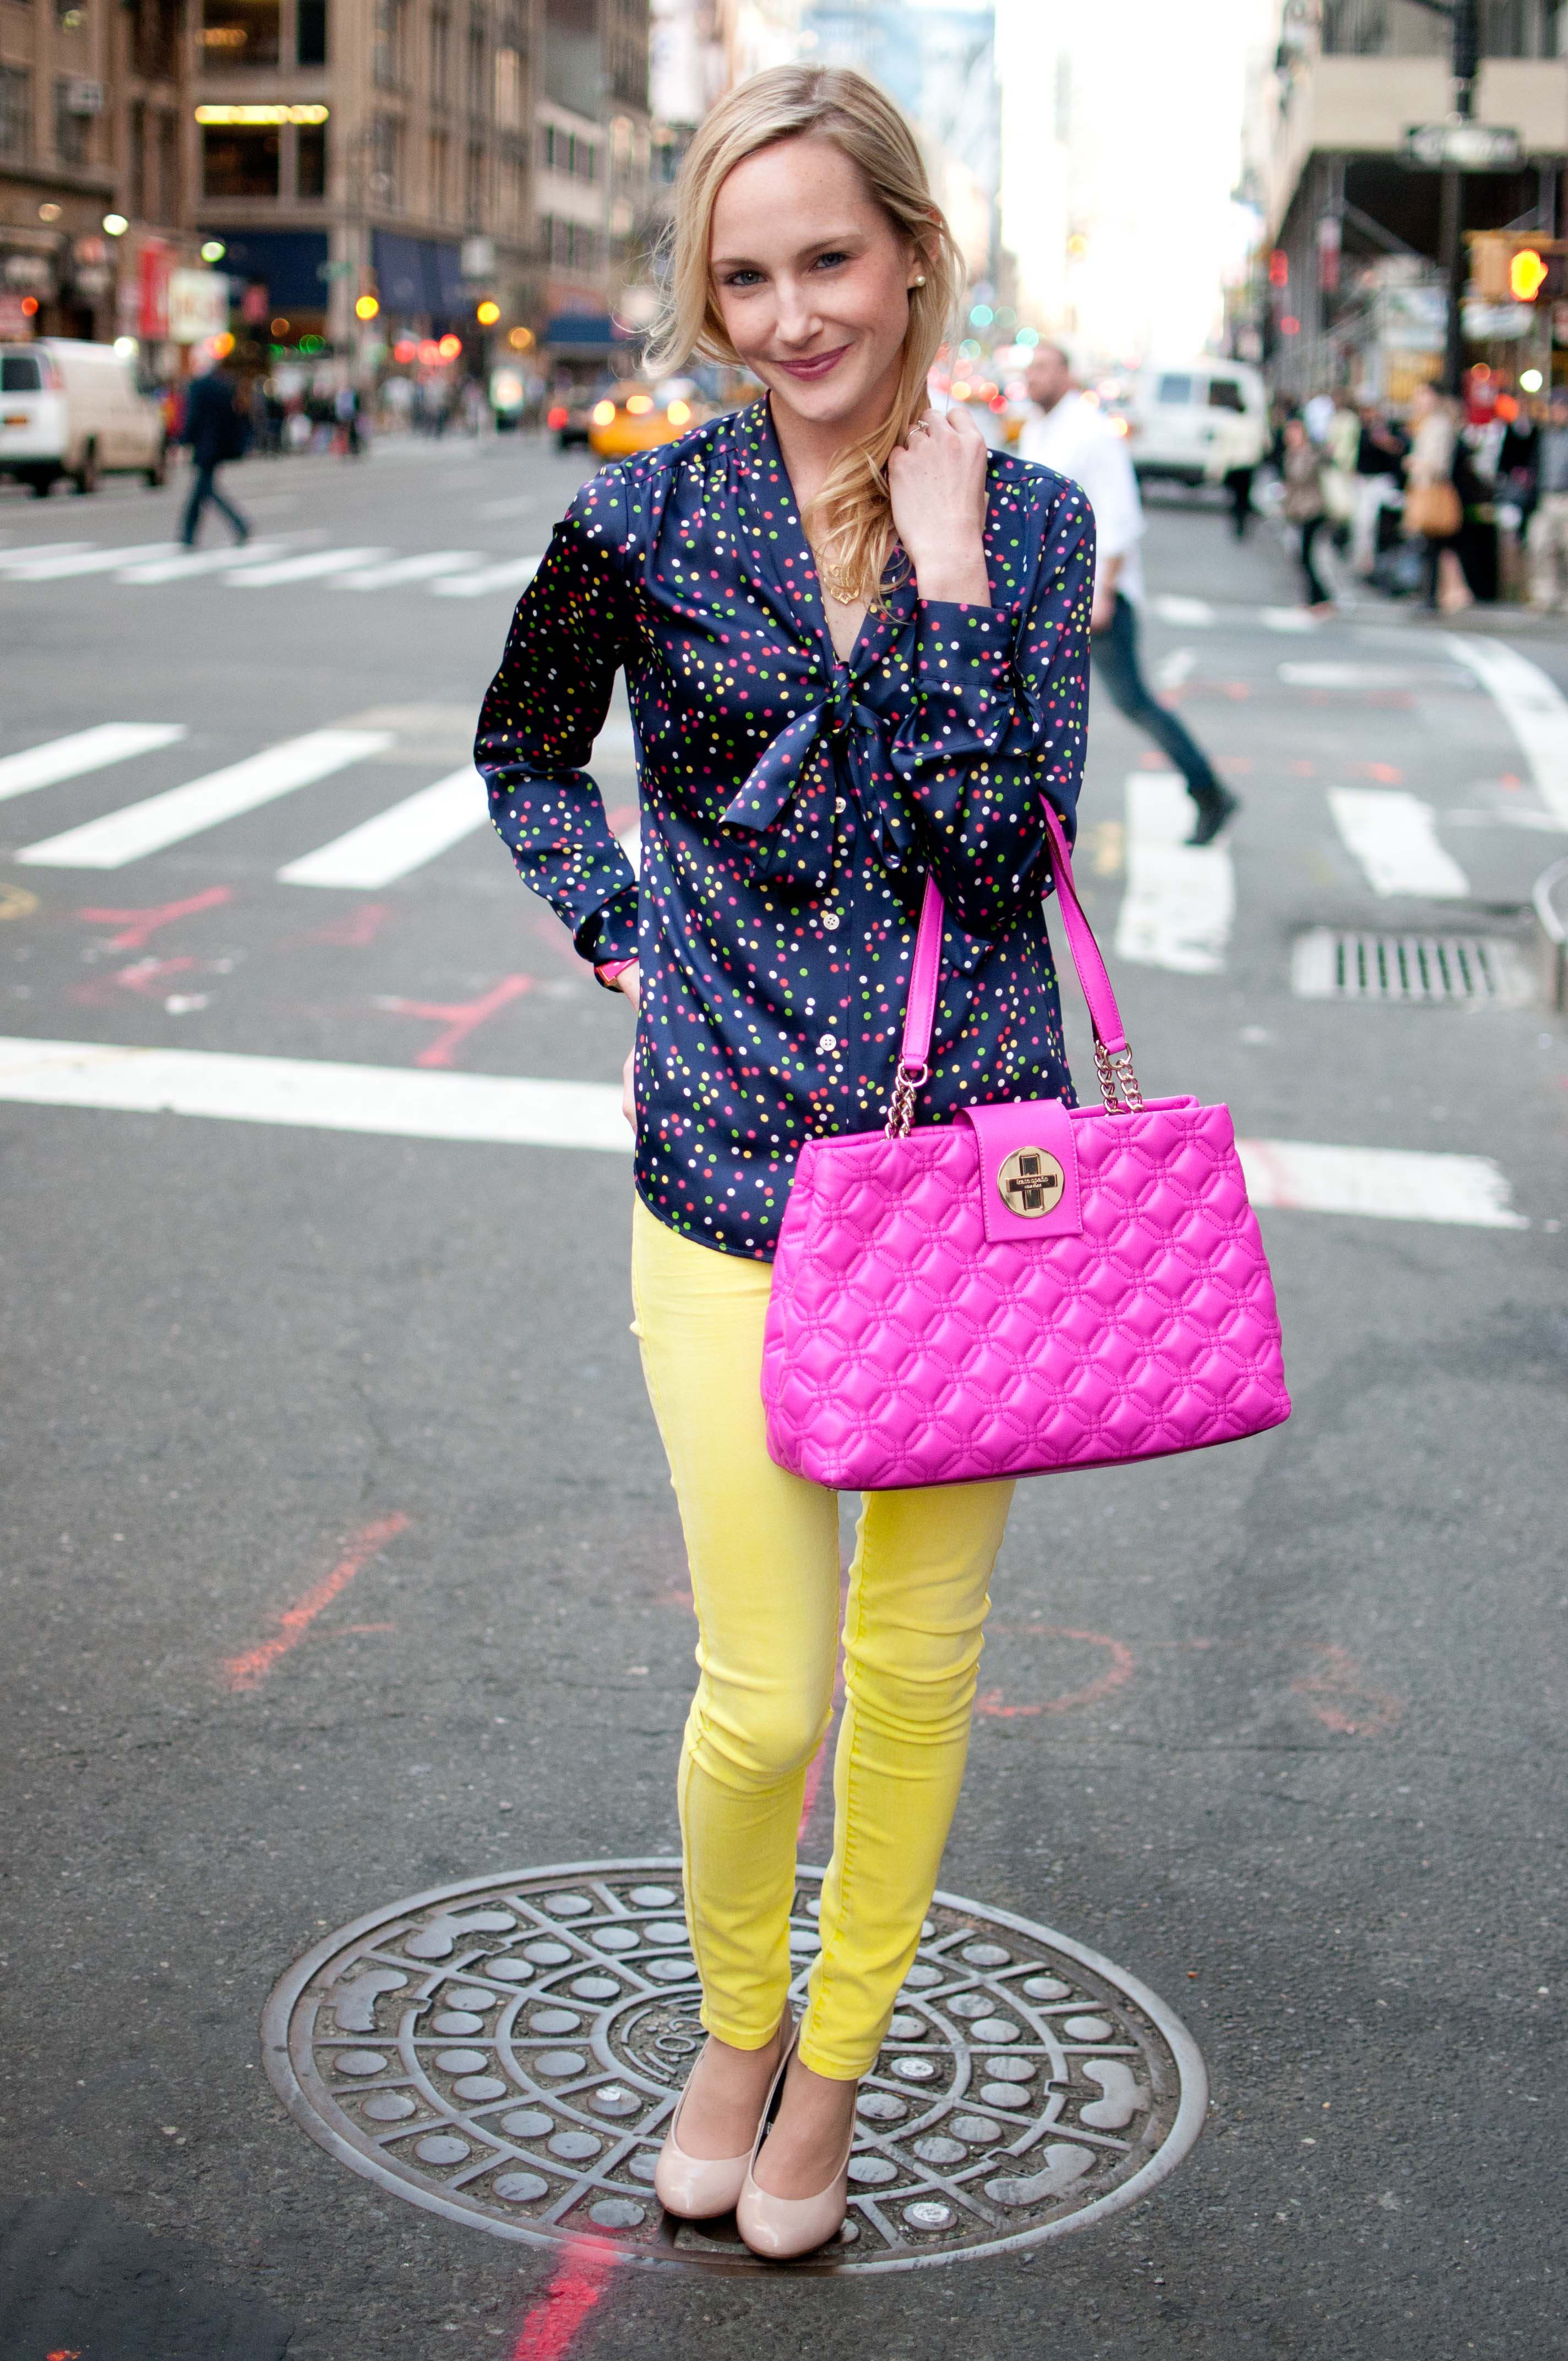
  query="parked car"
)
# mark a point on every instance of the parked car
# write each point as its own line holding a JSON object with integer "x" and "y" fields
{"x": 1199, "y": 423}
{"x": 73, "y": 409}
{"x": 570, "y": 416}
{"x": 638, "y": 417}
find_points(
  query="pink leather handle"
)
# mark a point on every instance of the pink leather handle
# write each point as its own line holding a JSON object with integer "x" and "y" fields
{"x": 1095, "y": 983}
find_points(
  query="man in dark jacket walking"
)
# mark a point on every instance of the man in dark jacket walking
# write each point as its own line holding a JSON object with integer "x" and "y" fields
{"x": 216, "y": 430}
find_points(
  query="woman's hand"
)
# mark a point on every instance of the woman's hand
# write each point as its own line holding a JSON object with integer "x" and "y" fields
{"x": 629, "y": 981}
{"x": 937, "y": 481}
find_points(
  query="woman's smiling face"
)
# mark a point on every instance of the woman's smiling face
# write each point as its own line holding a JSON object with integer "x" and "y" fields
{"x": 811, "y": 280}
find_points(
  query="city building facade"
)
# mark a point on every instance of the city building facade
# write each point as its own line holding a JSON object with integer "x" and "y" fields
{"x": 1360, "y": 236}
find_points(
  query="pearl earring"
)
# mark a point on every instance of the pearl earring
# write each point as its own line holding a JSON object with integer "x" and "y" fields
{"x": 917, "y": 282}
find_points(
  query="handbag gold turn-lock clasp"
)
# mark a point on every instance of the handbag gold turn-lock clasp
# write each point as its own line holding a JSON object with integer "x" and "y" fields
{"x": 1030, "y": 1181}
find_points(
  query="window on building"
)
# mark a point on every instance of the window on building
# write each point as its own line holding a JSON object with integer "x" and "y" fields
{"x": 15, "y": 111}
{"x": 72, "y": 130}
{"x": 440, "y": 56}
{"x": 438, "y": 160}
{"x": 586, "y": 163}
{"x": 310, "y": 160}
{"x": 478, "y": 86}
{"x": 168, "y": 152}
{"x": 136, "y": 159}
{"x": 474, "y": 185}
{"x": 386, "y": 161}
{"x": 154, "y": 38}
{"x": 240, "y": 32}
{"x": 310, "y": 32}
{"x": 239, "y": 161}
{"x": 387, "y": 44}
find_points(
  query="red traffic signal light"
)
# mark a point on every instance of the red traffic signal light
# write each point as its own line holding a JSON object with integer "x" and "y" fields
{"x": 1279, "y": 268}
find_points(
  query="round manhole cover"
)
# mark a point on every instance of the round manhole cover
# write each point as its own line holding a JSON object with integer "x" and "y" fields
{"x": 1026, "y": 2087}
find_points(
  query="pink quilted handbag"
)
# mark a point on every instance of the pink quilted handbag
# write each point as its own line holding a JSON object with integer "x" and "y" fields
{"x": 1030, "y": 1287}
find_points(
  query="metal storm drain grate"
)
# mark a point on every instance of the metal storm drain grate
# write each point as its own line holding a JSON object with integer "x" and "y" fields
{"x": 1453, "y": 970}
{"x": 507, "y": 2052}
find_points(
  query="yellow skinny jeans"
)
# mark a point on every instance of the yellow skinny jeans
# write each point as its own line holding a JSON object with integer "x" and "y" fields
{"x": 764, "y": 1550}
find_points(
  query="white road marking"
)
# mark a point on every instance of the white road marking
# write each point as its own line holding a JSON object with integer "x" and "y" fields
{"x": 508, "y": 1110}
{"x": 513, "y": 575}
{"x": 168, "y": 818}
{"x": 1172, "y": 609}
{"x": 1287, "y": 618}
{"x": 1352, "y": 675}
{"x": 1533, "y": 707}
{"x": 319, "y": 1094}
{"x": 27, "y": 551}
{"x": 187, "y": 562}
{"x": 84, "y": 751}
{"x": 517, "y": 505}
{"x": 61, "y": 567}
{"x": 1173, "y": 669}
{"x": 1394, "y": 836}
{"x": 423, "y": 568}
{"x": 411, "y": 832}
{"x": 308, "y": 568}
{"x": 1180, "y": 898}
{"x": 1391, "y": 1184}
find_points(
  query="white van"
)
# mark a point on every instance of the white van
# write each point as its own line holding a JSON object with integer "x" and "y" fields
{"x": 73, "y": 409}
{"x": 1198, "y": 422}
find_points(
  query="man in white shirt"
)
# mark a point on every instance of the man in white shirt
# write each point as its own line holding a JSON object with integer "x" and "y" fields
{"x": 1075, "y": 438}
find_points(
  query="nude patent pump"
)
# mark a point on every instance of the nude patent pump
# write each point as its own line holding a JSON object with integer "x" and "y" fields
{"x": 697, "y": 2188}
{"x": 779, "y": 2228}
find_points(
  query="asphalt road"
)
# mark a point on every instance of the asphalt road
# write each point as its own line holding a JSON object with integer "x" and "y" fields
{"x": 1319, "y": 1810}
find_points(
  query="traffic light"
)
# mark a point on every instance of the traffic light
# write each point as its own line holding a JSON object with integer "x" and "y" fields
{"x": 1279, "y": 268}
{"x": 1510, "y": 267}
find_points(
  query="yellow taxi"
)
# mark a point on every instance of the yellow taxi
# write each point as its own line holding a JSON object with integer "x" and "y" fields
{"x": 638, "y": 417}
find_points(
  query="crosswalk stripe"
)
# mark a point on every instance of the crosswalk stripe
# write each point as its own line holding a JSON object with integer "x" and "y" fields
{"x": 429, "y": 563}
{"x": 168, "y": 818}
{"x": 1389, "y": 1184}
{"x": 319, "y": 1094}
{"x": 1173, "y": 610}
{"x": 513, "y": 575}
{"x": 404, "y": 838}
{"x": 1394, "y": 836}
{"x": 510, "y": 1110}
{"x": 1180, "y": 898}
{"x": 28, "y": 551}
{"x": 314, "y": 562}
{"x": 63, "y": 566}
{"x": 1534, "y": 708}
{"x": 84, "y": 751}
{"x": 187, "y": 562}
{"x": 1287, "y": 618}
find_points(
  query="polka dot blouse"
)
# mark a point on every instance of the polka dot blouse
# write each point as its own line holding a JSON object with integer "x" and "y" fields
{"x": 791, "y": 804}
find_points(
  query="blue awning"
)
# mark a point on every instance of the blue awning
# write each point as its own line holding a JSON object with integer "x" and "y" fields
{"x": 417, "y": 274}
{"x": 593, "y": 331}
{"x": 287, "y": 262}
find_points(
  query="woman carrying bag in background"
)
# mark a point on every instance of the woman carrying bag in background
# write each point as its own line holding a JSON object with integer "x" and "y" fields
{"x": 1433, "y": 506}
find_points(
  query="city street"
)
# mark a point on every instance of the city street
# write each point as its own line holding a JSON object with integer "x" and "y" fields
{"x": 341, "y": 1563}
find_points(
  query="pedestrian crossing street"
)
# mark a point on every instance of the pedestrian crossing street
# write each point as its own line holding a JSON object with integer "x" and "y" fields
{"x": 276, "y": 565}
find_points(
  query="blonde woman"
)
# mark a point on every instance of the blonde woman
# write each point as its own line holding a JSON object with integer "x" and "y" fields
{"x": 855, "y": 648}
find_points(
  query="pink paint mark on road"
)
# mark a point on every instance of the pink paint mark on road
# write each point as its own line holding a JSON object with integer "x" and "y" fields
{"x": 1387, "y": 775}
{"x": 1236, "y": 763}
{"x": 1117, "y": 1674}
{"x": 1343, "y": 1700}
{"x": 139, "y": 926}
{"x": 248, "y": 1672}
{"x": 459, "y": 1018}
{"x": 148, "y": 977}
{"x": 354, "y": 931}
{"x": 551, "y": 2328}
{"x": 1301, "y": 769}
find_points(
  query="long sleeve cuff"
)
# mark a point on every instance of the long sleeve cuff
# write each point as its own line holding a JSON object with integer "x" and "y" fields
{"x": 610, "y": 931}
{"x": 963, "y": 657}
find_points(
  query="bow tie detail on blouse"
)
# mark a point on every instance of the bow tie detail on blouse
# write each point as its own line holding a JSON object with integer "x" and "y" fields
{"x": 787, "y": 804}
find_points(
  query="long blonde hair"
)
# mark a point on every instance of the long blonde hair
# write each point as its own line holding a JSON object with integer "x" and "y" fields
{"x": 850, "y": 520}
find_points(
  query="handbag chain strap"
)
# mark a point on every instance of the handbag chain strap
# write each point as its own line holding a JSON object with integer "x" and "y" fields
{"x": 1112, "y": 1057}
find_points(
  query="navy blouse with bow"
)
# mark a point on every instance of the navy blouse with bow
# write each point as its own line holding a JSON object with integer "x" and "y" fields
{"x": 791, "y": 803}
